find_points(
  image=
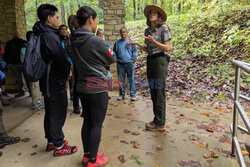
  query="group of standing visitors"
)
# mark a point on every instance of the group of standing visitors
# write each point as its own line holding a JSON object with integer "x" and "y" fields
{"x": 87, "y": 57}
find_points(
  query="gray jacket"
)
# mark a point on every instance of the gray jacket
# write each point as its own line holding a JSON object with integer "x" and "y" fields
{"x": 97, "y": 54}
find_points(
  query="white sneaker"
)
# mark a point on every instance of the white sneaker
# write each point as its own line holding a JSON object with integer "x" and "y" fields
{"x": 120, "y": 98}
{"x": 133, "y": 98}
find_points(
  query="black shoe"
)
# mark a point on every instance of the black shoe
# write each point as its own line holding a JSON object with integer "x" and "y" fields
{"x": 77, "y": 111}
{"x": 20, "y": 94}
{"x": 5, "y": 102}
{"x": 8, "y": 140}
{"x": 5, "y": 94}
{"x": 1, "y": 153}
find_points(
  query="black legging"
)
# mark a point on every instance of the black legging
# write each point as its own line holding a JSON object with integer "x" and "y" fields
{"x": 94, "y": 111}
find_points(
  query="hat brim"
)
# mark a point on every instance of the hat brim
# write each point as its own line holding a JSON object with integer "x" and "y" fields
{"x": 156, "y": 8}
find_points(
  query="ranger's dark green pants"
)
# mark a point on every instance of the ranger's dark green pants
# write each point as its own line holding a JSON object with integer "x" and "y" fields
{"x": 157, "y": 69}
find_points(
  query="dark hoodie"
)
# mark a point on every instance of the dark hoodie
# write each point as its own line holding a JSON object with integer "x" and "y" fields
{"x": 12, "y": 51}
{"x": 51, "y": 50}
{"x": 97, "y": 54}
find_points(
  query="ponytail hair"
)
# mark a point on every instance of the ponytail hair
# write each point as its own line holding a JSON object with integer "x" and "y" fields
{"x": 73, "y": 24}
{"x": 84, "y": 13}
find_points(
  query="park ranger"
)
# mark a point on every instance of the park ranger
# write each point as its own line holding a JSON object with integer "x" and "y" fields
{"x": 157, "y": 39}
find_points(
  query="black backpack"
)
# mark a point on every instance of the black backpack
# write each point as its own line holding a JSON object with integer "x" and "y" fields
{"x": 34, "y": 65}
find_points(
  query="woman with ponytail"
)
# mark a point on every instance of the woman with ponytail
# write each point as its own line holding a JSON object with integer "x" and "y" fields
{"x": 91, "y": 55}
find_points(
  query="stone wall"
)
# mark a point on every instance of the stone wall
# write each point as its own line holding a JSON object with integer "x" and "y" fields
{"x": 12, "y": 15}
{"x": 114, "y": 19}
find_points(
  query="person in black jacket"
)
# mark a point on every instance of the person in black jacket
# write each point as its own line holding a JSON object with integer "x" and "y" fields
{"x": 91, "y": 55}
{"x": 64, "y": 36}
{"x": 12, "y": 58}
{"x": 53, "y": 86}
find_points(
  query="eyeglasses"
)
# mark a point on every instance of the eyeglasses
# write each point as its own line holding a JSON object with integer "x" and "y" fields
{"x": 152, "y": 12}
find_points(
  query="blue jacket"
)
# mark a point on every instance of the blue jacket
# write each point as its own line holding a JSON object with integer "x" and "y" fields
{"x": 125, "y": 53}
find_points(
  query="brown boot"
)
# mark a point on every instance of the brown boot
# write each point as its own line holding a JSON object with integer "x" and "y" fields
{"x": 151, "y": 126}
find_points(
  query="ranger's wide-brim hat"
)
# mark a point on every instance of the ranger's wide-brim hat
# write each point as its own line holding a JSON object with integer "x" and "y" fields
{"x": 155, "y": 8}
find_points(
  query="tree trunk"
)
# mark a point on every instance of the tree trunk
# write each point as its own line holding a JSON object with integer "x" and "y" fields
{"x": 134, "y": 9}
{"x": 179, "y": 7}
{"x": 161, "y": 3}
{"x": 100, "y": 4}
{"x": 63, "y": 13}
{"x": 36, "y": 10}
{"x": 154, "y": 2}
{"x": 138, "y": 7}
{"x": 171, "y": 7}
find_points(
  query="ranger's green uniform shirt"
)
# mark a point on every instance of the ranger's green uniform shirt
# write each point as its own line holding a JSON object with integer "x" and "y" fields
{"x": 160, "y": 34}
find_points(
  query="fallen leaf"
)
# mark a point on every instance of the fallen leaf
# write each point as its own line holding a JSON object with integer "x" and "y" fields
{"x": 123, "y": 141}
{"x": 206, "y": 114}
{"x": 136, "y": 145}
{"x": 19, "y": 154}
{"x": 206, "y": 156}
{"x": 135, "y": 133}
{"x": 204, "y": 145}
{"x": 210, "y": 150}
{"x": 164, "y": 132}
{"x": 121, "y": 158}
{"x": 210, "y": 130}
{"x": 35, "y": 146}
{"x": 227, "y": 143}
{"x": 186, "y": 100}
{"x": 215, "y": 155}
{"x": 25, "y": 140}
{"x": 244, "y": 153}
{"x": 158, "y": 166}
{"x": 34, "y": 153}
{"x": 194, "y": 138}
{"x": 182, "y": 115}
{"x": 218, "y": 108}
{"x": 140, "y": 163}
{"x": 126, "y": 131}
{"x": 157, "y": 147}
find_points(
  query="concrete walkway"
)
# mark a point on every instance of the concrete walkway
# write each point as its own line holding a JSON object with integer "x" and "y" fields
{"x": 127, "y": 144}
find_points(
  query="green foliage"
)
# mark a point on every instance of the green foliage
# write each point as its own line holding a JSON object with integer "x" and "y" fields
{"x": 70, "y": 6}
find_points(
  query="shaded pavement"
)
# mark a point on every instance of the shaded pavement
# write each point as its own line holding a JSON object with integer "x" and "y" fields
{"x": 194, "y": 131}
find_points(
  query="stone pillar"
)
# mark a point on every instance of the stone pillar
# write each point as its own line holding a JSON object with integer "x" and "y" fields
{"x": 114, "y": 20}
{"x": 12, "y": 15}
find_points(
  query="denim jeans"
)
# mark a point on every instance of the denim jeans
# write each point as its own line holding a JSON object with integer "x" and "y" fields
{"x": 123, "y": 69}
{"x": 17, "y": 71}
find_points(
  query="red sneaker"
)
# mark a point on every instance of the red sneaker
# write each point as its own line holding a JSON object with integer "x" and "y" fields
{"x": 51, "y": 147}
{"x": 65, "y": 150}
{"x": 99, "y": 162}
{"x": 85, "y": 160}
